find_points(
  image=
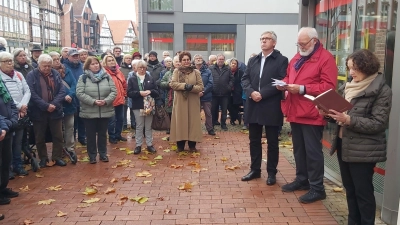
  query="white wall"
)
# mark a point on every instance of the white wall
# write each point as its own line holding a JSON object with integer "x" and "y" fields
{"x": 287, "y": 37}
{"x": 241, "y": 6}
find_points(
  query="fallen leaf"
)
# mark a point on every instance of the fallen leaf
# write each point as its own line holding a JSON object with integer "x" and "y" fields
{"x": 139, "y": 199}
{"x": 204, "y": 169}
{"x": 245, "y": 131}
{"x": 147, "y": 182}
{"x": 92, "y": 200}
{"x": 96, "y": 185}
{"x": 195, "y": 164}
{"x": 84, "y": 159}
{"x": 216, "y": 137}
{"x": 160, "y": 147}
{"x": 153, "y": 163}
{"x": 232, "y": 167}
{"x": 61, "y": 214}
{"x": 109, "y": 190}
{"x": 182, "y": 154}
{"x": 174, "y": 147}
{"x": 195, "y": 155}
{"x": 129, "y": 152}
{"x": 26, "y": 188}
{"x": 84, "y": 205}
{"x": 144, "y": 150}
{"x": 125, "y": 178}
{"x": 143, "y": 174}
{"x": 90, "y": 191}
{"x": 123, "y": 197}
{"x": 196, "y": 170}
{"x": 46, "y": 202}
{"x": 176, "y": 166}
{"x": 167, "y": 211}
{"x": 28, "y": 167}
{"x": 337, "y": 189}
{"x": 208, "y": 139}
{"x": 187, "y": 186}
{"x": 143, "y": 157}
{"x": 50, "y": 163}
{"x": 159, "y": 157}
{"x": 39, "y": 175}
{"x": 54, "y": 188}
{"x": 84, "y": 151}
{"x": 122, "y": 149}
{"x": 160, "y": 198}
{"x": 119, "y": 203}
{"x": 164, "y": 138}
{"x": 114, "y": 180}
{"x": 27, "y": 222}
{"x": 224, "y": 159}
{"x": 167, "y": 150}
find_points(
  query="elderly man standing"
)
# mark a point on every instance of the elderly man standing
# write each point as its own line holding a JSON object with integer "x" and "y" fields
{"x": 64, "y": 54}
{"x": 46, "y": 108}
{"x": 36, "y": 51}
{"x": 74, "y": 64}
{"x": 312, "y": 71}
{"x": 117, "y": 55}
{"x": 211, "y": 60}
{"x": 264, "y": 105}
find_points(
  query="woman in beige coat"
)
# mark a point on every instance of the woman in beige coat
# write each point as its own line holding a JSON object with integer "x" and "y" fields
{"x": 186, "y": 122}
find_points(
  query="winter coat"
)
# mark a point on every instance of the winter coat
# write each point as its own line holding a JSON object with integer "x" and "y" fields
{"x": 76, "y": 70}
{"x": 364, "y": 140}
{"x": 88, "y": 92}
{"x": 237, "y": 87}
{"x": 186, "y": 121}
{"x": 3, "y": 124}
{"x": 169, "y": 92}
{"x": 70, "y": 108}
{"x": 9, "y": 112}
{"x": 25, "y": 69}
{"x": 155, "y": 70}
{"x": 37, "y": 106}
{"x": 121, "y": 85}
{"x": 318, "y": 74}
{"x": 267, "y": 111}
{"x": 119, "y": 59}
{"x": 125, "y": 69}
{"x": 208, "y": 82}
{"x": 34, "y": 63}
{"x": 223, "y": 80}
{"x": 18, "y": 88}
{"x": 134, "y": 92}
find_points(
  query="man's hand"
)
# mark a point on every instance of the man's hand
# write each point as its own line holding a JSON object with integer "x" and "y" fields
{"x": 51, "y": 108}
{"x": 293, "y": 88}
{"x": 201, "y": 94}
{"x": 68, "y": 99}
{"x": 281, "y": 88}
{"x": 22, "y": 114}
{"x": 256, "y": 96}
{"x": 24, "y": 108}
{"x": 3, "y": 135}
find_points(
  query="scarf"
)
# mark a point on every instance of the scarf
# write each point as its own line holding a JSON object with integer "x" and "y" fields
{"x": 155, "y": 62}
{"x": 4, "y": 94}
{"x": 353, "y": 88}
{"x": 49, "y": 79}
{"x": 97, "y": 76}
{"x": 112, "y": 70}
{"x": 234, "y": 70}
{"x": 184, "y": 71}
{"x": 303, "y": 59}
{"x": 10, "y": 74}
{"x": 60, "y": 69}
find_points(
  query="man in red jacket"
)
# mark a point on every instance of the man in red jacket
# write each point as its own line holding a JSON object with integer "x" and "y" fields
{"x": 312, "y": 71}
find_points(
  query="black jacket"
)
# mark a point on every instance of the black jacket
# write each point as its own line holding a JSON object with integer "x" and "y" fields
{"x": 267, "y": 111}
{"x": 37, "y": 106}
{"x": 134, "y": 92}
{"x": 9, "y": 112}
{"x": 237, "y": 88}
{"x": 223, "y": 80}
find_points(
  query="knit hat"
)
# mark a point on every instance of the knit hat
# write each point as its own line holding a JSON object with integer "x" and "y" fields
{"x": 153, "y": 53}
{"x": 137, "y": 54}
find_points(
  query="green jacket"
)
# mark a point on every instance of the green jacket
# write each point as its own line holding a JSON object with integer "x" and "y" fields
{"x": 87, "y": 92}
{"x": 164, "y": 84}
{"x": 364, "y": 140}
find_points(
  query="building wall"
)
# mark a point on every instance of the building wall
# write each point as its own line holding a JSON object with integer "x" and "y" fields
{"x": 66, "y": 26}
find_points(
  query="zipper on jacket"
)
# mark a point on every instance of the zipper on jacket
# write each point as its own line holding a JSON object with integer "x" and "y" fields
{"x": 98, "y": 91}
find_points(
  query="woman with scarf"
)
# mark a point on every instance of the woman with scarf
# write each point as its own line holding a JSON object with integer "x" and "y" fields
{"x": 96, "y": 92}
{"x": 69, "y": 104}
{"x": 186, "y": 122}
{"x": 236, "y": 98}
{"x": 22, "y": 63}
{"x": 126, "y": 68}
{"x": 360, "y": 137}
{"x": 166, "y": 85}
{"x": 116, "y": 122}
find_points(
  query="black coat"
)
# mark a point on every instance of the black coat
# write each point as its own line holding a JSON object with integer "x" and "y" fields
{"x": 134, "y": 92}
{"x": 267, "y": 111}
{"x": 237, "y": 88}
{"x": 9, "y": 112}
{"x": 223, "y": 80}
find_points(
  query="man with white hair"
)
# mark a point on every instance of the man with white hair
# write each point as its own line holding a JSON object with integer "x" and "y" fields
{"x": 211, "y": 60}
{"x": 3, "y": 44}
{"x": 64, "y": 54}
{"x": 312, "y": 71}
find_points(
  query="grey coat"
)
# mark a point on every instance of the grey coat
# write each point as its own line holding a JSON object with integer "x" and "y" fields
{"x": 89, "y": 92}
{"x": 364, "y": 140}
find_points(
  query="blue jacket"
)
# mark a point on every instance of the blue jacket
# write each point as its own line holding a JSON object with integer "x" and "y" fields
{"x": 37, "y": 106}
{"x": 77, "y": 71}
{"x": 9, "y": 116}
{"x": 207, "y": 78}
{"x": 3, "y": 125}
{"x": 70, "y": 108}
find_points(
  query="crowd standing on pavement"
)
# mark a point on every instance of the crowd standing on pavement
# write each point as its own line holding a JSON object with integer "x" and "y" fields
{"x": 77, "y": 98}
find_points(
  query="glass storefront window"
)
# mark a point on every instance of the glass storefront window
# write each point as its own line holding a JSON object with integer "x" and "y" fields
{"x": 196, "y": 42}
{"x": 161, "y": 5}
{"x": 223, "y": 43}
{"x": 160, "y": 42}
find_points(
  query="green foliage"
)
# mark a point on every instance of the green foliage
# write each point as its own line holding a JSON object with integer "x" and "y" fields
{"x": 52, "y": 49}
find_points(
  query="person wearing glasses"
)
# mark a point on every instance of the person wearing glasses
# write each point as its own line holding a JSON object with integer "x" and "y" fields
{"x": 263, "y": 105}
{"x": 311, "y": 71}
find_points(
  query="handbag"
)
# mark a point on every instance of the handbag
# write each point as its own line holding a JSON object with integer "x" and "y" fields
{"x": 161, "y": 119}
{"x": 148, "y": 102}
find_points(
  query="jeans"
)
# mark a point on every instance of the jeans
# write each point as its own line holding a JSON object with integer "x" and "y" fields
{"x": 79, "y": 126}
{"x": 143, "y": 122}
{"x": 40, "y": 128}
{"x": 115, "y": 123}
{"x": 5, "y": 156}
{"x": 218, "y": 101}
{"x": 207, "y": 111}
{"x": 16, "y": 149}
{"x": 96, "y": 128}
{"x": 69, "y": 140}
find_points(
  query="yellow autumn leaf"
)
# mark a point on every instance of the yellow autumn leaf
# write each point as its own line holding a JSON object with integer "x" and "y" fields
{"x": 143, "y": 157}
{"x": 195, "y": 155}
{"x": 129, "y": 152}
{"x": 46, "y": 202}
{"x": 139, "y": 199}
{"x": 167, "y": 150}
{"x": 147, "y": 182}
{"x": 92, "y": 200}
{"x": 84, "y": 151}
{"x": 196, "y": 170}
{"x": 39, "y": 175}
{"x": 164, "y": 138}
{"x": 153, "y": 163}
{"x": 231, "y": 167}
{"x": 97, "y": 185}
{"x": 187, "y": 186}
{"x": 176, "y": 166}
{"x": 28, "y": 222}
{"x": 337, "y": 189}
{"x": 122, "y": 149}
{"x": 61, "y": 214}
{"x": 54, "y": 188}
{"x": 109, "y": 190}
{"x": 26, "y": 188}
{"x": 84, "y": 205}
{"x": 84, "y": 159}
{"x": 126, "y": 178}
{"x": 114, "y": 180}
{"x": 224, "y": 159}
{"x": 89, "y": 191}
{"x": 216, "y": 137}
{"x": 182, "y": 154}
{"x": 143, "y": 174}
{"x": 143, "y": 200}
{"x": 174, "y": 147}
{"x": 144, "y": 150}
{"x": 159, "y": 157}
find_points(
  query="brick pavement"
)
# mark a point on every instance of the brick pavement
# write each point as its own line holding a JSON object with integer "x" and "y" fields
{"x": 217, "y": 196}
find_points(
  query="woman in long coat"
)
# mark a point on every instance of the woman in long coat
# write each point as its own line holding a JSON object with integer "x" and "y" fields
{"x": 186, "y": 122}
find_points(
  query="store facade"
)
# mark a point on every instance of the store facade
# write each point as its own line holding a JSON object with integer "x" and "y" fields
{"x": 344, "y": 26}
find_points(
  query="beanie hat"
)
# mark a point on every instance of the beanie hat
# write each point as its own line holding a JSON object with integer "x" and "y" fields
{"x": 153, "y": 53}
{"x": 136, "y": 54}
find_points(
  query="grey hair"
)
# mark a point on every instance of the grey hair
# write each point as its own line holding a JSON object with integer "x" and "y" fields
{"x": 165, "y": 52}
{"x": 141, "y": 63}
{"x": 54, "y": 54}
{"x": 45, "y": 58}
{"x": 6, "y": 55}
{"x": 64, "y": 48}
{"x": 211, "y": 56}
{"x": 220, "y": 54}
{"x": 310, "y": 31}
{"x": 176, "y": 57}
{"x": 234, "y": 59}
{"x": 3, "y": 41}
{"x": 82, "y": 51}
{"x": 273, "y": 34}
{"x": 197, "y": 55}
{"x": 168, "y": 59}
{"x": 135, "y": 62}
{"x": 17, "y": 51}
{"x": 228, "y": 61}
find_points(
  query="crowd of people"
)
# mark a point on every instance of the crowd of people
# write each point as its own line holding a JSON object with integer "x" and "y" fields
{"x": 81, "y": 98}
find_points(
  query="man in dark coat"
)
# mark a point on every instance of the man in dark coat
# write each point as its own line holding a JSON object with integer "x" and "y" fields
{"x": 36, "y": 51}
{"x": 222, "y": 89}
{"x": 117, "y": 55}
{"x": 263, "y": 107}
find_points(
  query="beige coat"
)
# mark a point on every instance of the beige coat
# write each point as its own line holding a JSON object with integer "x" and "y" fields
{"x": 186, "y": 121}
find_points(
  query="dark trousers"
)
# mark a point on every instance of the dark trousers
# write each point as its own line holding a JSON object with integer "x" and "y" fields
{"x": 181, "y": 144}
{"x": 96, "y": 128}
{"x": 234, "y": 110}
{"x": 219, "y": 101}
{"x": 5, "y": 160}
{"x": 307, "y": 151}
{"x": 133, "y": 121}
{"x": 357, "y": 180}
{"x": 255, "y": 135}
{"x": 17, "y": 149}
{"x": 79, "y": 126}
{"x": 207, "y": 112}
{"x": 115, "y": 123}
{"x": 126, "y": 116}
{"x": 55, "y": 126}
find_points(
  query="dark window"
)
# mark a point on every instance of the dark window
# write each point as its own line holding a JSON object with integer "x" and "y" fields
{"x": 86, "y": 41}
{"x": 161, "y": 5}
{"x": 85, "y": 28}
{"x": 85, "y": 16}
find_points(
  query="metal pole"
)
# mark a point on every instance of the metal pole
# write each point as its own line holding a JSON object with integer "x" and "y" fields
{"x": 141, "y": 27}
{"x": 43, "y": 33}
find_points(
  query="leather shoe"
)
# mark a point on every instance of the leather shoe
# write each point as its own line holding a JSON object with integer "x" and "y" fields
{"x": 211, "y": 132}
{"x": 137, "y": 150}
{"x": 121, "y": 139}
{"x": 151, "y": 149}
{"x": 59, "y": 162}
{"x": 271, "y": 180}
{"x": 251, "y": 175}
{"x": 83, "y": 142}
{"x": 113, "y": 141}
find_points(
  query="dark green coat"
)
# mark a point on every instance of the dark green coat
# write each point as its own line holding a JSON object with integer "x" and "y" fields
{"x": 364, "y": 140}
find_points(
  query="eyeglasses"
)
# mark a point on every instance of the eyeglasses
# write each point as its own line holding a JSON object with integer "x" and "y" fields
{"x": 303, "y": 45}
{"x": 142, "y": 67}
{"x": 266, "y": 39}
{"x": 7, "y": 61}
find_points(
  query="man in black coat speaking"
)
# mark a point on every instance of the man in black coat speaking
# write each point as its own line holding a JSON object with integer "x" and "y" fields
{"x": 264, "y": 105}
